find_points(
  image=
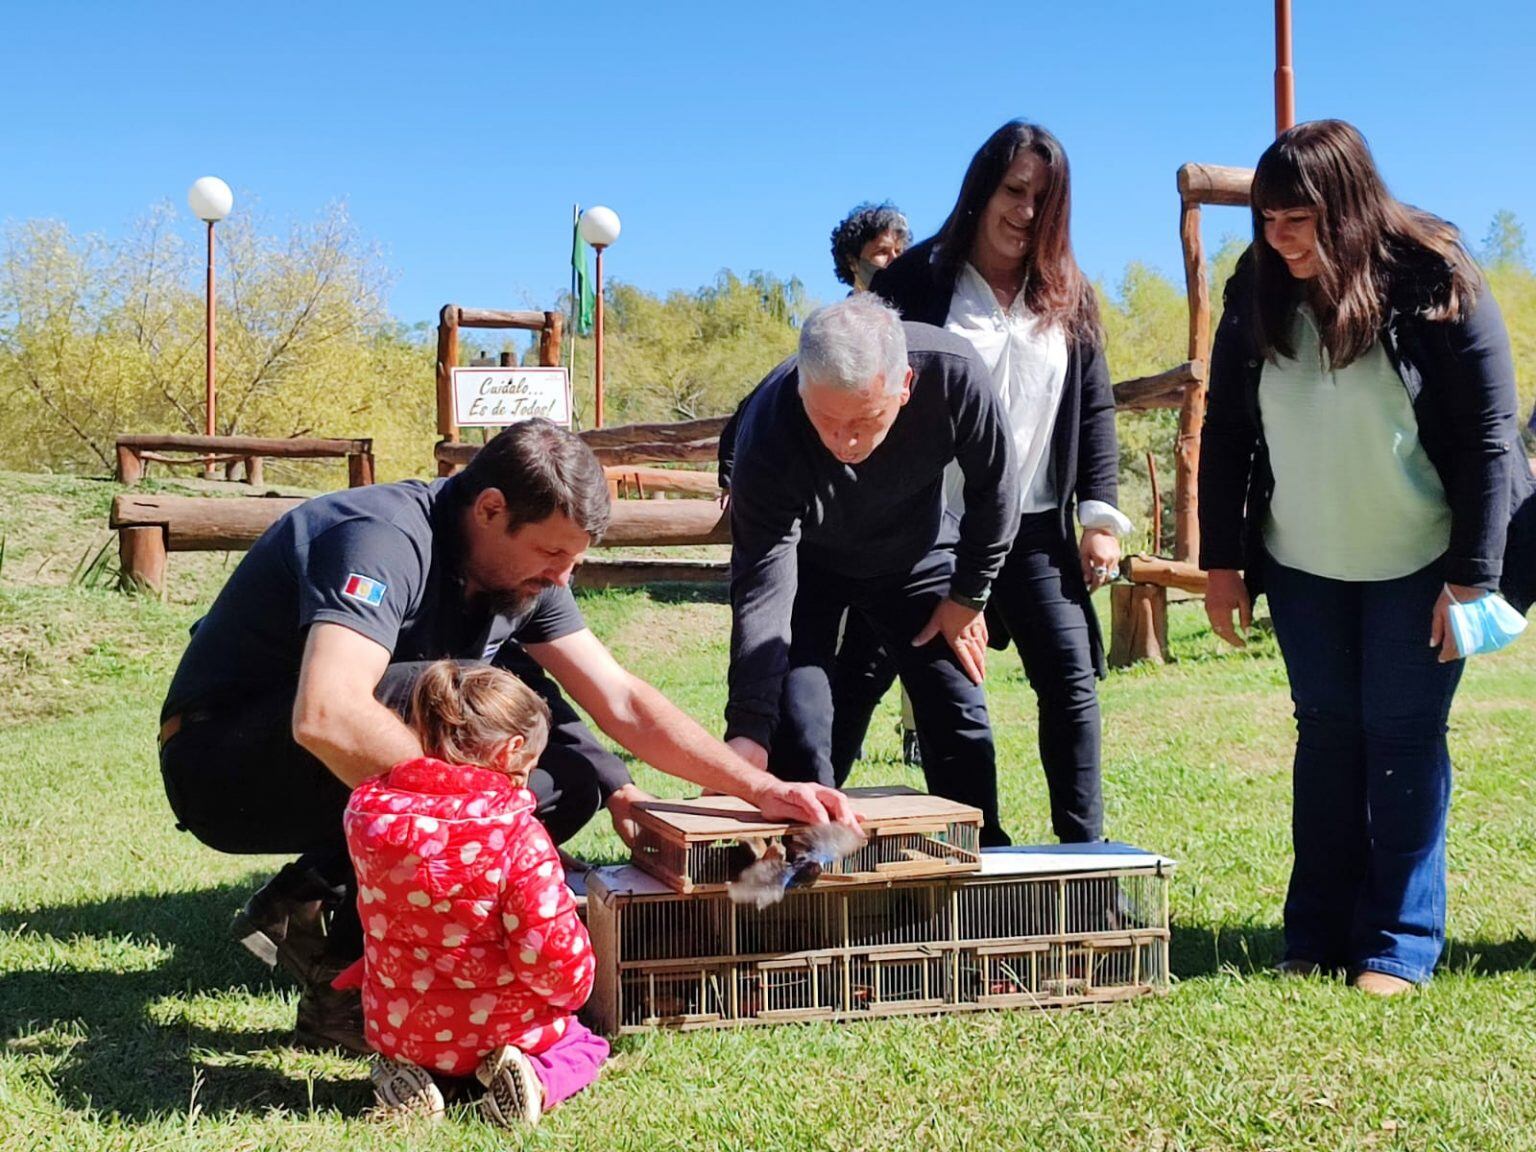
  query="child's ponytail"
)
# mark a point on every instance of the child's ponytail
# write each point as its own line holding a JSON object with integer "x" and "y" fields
{"x": 463, "y": 712}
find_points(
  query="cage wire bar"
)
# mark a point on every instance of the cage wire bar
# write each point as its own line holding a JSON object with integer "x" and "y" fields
{"x": 938, "y": 944}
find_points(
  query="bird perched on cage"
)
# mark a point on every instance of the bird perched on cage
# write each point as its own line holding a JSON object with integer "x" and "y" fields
{"x": 793, "y": 861}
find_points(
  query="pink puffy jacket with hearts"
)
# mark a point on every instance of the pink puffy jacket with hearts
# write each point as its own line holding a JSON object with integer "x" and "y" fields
{"x": 470, "y": 936}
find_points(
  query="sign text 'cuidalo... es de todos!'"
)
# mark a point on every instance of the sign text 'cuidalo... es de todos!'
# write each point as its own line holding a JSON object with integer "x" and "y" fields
{"x": 493, "y": 397}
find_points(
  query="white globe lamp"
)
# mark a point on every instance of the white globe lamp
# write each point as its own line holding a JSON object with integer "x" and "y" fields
{"x": 599, "y": 226}
{"x": 210, "y": 199}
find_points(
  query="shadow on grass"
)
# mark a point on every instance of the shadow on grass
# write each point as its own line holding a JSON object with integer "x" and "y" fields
{"x": 1205, "y": 950}
{"x": 96, "y": 1033}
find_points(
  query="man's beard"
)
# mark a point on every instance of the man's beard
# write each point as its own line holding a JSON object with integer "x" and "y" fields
{"x": 515, "y": 601}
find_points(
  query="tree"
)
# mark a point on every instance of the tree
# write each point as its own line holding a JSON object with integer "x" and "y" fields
{"x": 1504, "y": 242}
{"x": 690, "y": 354}
{"x": 97, "y": 339}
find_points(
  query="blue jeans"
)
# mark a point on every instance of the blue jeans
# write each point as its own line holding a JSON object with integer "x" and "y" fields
{"x": 1372, "y": 781}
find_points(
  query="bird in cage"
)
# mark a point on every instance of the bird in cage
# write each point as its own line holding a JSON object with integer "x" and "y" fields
{"x": 762, "y": 871}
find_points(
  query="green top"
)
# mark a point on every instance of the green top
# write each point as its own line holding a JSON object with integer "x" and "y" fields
{"x": 1356, "y": 497}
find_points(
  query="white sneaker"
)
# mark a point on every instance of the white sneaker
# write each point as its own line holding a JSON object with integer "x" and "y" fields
{"x": 401, "y": 1089}
{"x": 513, "y": 1094}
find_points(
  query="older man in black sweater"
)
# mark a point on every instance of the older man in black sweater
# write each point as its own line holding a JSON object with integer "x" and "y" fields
{"x": 838, "y": 502}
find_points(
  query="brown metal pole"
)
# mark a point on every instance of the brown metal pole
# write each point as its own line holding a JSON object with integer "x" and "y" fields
{"x": 1285, "y": 76}
{"x": 598, "y": 363}
{"x": 208, "y": 461}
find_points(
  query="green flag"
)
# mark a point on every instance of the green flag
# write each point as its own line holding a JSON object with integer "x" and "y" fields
{"x": 583, "y": 303}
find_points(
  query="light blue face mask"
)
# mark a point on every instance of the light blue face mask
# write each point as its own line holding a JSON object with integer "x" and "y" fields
{"x": 1483, "y": 625}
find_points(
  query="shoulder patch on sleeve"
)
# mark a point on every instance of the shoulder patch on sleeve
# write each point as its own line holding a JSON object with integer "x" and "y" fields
{"x": 370, "y": 592}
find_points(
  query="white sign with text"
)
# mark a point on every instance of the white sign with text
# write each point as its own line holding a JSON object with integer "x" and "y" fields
{"x": 492, "y": 397}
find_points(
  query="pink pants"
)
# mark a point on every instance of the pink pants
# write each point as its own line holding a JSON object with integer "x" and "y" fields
{"x": 570, "y": 1063}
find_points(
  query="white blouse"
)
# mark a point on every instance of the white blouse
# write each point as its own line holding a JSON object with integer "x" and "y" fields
{"x": 1028, "y": 363}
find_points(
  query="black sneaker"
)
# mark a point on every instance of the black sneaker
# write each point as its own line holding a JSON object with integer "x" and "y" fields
{"x": 329, "y": 1018}
{"x": 285, "y": 923}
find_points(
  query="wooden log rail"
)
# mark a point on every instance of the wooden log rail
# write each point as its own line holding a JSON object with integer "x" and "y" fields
{"x": 134, "y": 450}
{"x": 690, "y": 441}
{"x": 1165, "y": 390}
{"x": 1161, "y": 573}
{"x": 150, "y": 527}
{"x": 599, "y": 574}
{"x": 639, "y": 481}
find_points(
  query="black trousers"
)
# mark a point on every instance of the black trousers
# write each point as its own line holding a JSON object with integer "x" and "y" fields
{"x": 1042, "y": 600}
{"x": 951, "y": 712}
{"x": 238, "y": 782}
{"x": 861, "y": 677}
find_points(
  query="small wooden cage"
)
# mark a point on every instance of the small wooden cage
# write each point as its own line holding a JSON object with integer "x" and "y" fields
{"x": 696, "y": 845}
{"x": 1034, "y": 927}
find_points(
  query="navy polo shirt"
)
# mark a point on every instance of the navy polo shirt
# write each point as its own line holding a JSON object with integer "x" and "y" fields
{"x": 381, "y": 560}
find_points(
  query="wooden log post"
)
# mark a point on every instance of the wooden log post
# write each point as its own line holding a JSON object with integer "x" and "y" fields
{"x": 447, "y": 358}
{"x": 254, "y": 475}
{"x": 360, "y": 467}
{"x": 141, "y": 560}
{"x": 549, "y": 340}
{"x": 1186, "y": 515}
{"x": 1138, "y": 624}
{"x": 130, "y": 468}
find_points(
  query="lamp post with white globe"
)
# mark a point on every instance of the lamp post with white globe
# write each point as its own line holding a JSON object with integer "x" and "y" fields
{"x": 211, "y": 200}
{"x": 599, "y": 228}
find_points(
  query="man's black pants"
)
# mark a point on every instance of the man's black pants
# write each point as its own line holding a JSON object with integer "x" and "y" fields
{"x": 237, "y": 781}
{"x": 951, "y": 712}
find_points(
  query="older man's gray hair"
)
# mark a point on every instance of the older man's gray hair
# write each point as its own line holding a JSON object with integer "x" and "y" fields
{"x": 852, "y": 343}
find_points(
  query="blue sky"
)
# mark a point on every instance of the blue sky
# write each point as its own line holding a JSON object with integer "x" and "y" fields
{"x": 725, "y": 136}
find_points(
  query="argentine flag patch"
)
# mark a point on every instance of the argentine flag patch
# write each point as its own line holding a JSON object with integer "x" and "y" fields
{"x": 370, "y": 592}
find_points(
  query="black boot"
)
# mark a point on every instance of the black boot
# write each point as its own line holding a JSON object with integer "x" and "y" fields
{"x": 331, "y": 1018}
{"x": 286, "y": 924}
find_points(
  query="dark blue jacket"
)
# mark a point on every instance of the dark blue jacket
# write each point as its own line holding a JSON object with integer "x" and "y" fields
{"x": 1460, "y": 379}
{"x": 793, "y": 502}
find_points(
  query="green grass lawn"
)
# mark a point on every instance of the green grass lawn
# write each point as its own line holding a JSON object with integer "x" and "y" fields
{"x": 130, "y": 1020}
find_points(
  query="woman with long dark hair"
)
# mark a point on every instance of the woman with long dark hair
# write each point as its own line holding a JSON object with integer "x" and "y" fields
{"x": 1001, "y": 273}
{"x": 1359, "y": 460}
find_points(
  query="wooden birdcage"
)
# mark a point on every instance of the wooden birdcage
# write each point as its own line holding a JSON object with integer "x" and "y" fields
{"x": 699, "y": 845}
{"x": 1033, "y": 927}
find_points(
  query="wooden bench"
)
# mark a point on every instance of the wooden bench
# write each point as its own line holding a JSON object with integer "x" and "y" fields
{"x": 134, "y": 451}
{"x": 150, "y": 527}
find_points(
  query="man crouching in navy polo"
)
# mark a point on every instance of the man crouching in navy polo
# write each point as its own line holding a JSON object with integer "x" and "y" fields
{"x": 292, "y": 690}
{"x": 838, "y": 502}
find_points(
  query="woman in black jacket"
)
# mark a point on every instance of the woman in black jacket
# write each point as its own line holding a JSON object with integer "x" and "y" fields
{"x": 1001, "y": 273}
{"x": 1359, "y": 461}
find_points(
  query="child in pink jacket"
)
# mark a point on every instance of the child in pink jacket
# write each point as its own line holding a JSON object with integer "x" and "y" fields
{"x": 474, "y": 962}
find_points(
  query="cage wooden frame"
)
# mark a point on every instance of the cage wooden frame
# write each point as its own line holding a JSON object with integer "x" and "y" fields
{"x": 690, "y": 844}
